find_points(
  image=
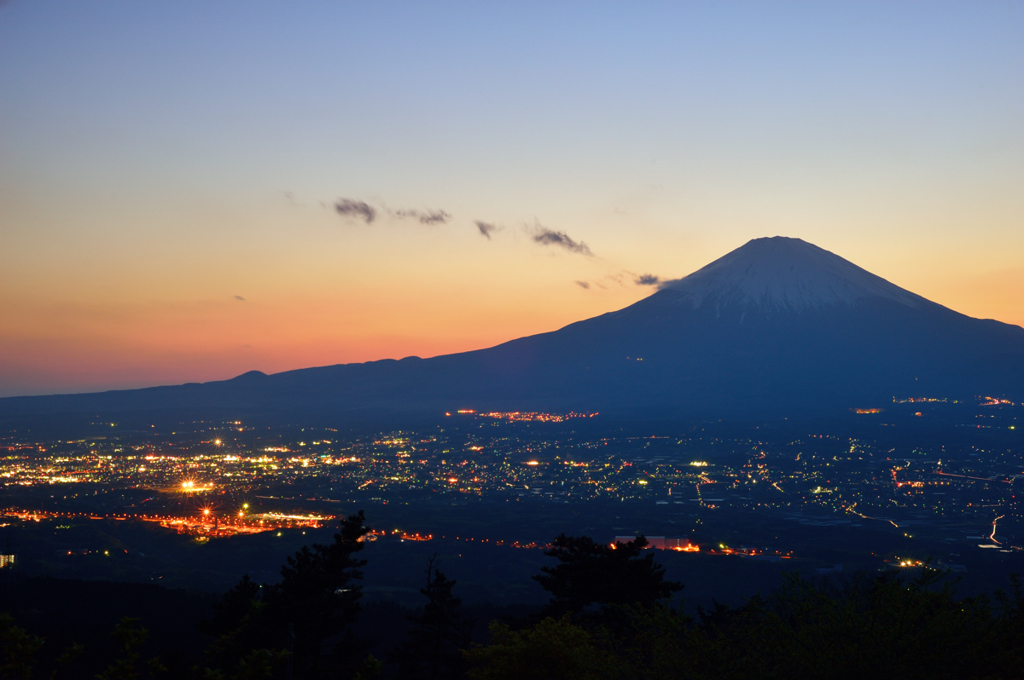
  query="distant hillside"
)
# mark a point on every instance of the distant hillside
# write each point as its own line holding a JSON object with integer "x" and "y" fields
{"x": 776, "y": 326}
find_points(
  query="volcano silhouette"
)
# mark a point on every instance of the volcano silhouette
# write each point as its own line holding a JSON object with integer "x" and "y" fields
{"x": 777, "y": 325}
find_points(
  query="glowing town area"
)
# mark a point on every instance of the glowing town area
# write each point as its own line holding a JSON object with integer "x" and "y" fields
{"x": 515, "y": 480}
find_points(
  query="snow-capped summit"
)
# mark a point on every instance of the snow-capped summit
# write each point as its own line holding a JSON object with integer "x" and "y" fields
{"x": 781, "y": 273}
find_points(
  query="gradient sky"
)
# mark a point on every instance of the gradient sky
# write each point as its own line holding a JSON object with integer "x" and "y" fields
{"x": 169, "y": 171}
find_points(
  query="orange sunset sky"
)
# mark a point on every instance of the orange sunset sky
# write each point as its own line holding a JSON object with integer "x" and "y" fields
{"x": 171, "y": 174}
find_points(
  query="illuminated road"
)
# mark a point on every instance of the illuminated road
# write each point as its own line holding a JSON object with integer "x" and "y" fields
{"x": 993, "y": 536}
{"x": 877, "y": 519}
{"x": 980, "y": 479}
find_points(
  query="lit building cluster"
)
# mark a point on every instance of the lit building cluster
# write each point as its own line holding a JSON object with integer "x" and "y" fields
{"x": 201, "y": 477}
{"x": 528, "y": 416}
{"x": 816, "y": 471}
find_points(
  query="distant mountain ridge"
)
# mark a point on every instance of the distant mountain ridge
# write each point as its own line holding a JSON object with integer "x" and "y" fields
{"x": 775, "y": 326}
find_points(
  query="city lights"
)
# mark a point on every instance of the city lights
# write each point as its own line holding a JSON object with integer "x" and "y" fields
{"x": 263, "y": 485}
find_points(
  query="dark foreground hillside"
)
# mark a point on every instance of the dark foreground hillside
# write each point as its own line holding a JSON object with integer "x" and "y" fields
{"x": 606, "y": 612}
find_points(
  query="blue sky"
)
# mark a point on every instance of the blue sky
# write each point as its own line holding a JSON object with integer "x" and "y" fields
{"x": 160, "y": 161}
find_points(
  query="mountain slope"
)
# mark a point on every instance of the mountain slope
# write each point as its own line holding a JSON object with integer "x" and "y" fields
{"x": 776, "y": 274}
{"x": 778, "y": 325}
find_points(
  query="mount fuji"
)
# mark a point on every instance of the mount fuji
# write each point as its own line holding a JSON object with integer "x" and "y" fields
{"x": 775, "y": 326}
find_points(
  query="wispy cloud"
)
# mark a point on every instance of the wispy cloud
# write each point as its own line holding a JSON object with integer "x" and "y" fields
{"x": 346, "y": 207}
{"x": 361, "y": 210}
{"x": 550, "y": 237}
{"x": 240, "y": 298}
{"x": 486, "y": 228}
{"x": 621, "y": 279}
{"x": 424, "y": 216}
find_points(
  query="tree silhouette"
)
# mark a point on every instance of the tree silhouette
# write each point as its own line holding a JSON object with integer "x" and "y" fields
{"x": 131, "y": 637}
{"x": 17, "y": 648}
{"x": 229, "y": 613}
{"x": 302, "y": 622}
{"x": 589, "y": 574}
{"x": 870, "y": 626}
{"x": 439, "y": 634}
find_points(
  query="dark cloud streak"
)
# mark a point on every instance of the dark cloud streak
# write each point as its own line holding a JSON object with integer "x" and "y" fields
{"x": 435, "y": 217}
{"x": 361, "y": 210}
{"x": 427, "y": 217}
{"x": 647, "y": 280}
{"x": 486, "y": 228}
{"x": 550, "y": 237}
{"x": 358, "y": 209}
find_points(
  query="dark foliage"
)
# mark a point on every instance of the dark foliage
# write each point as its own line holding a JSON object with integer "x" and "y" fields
{"x": 866, "y": 626}
{"x": 301, "y": 626}
{"x": 232, "y": 609}
{"x": 589, "y": 574}
{"x": 871, "y": 626}
{"x": 439, "y": 634}
{"x": 17, "y": 649}
{"x": 131, "y": 664}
